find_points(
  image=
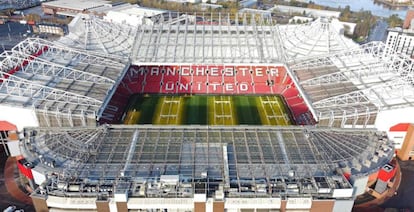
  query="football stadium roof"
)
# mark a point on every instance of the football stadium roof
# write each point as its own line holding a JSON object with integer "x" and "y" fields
{"x": 246, "y": 39}
{"x": 96, "y": 35}
{"x": 321, "y": 36}
{"x": 58, "y": 80}
{"x": 345, "y": 84}
{"x": 243, "y": 160}
{"x": 351, "y": 86}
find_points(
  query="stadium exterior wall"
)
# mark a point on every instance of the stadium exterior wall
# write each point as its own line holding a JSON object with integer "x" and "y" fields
{"x": 190, "y": 204}
{"x": 359, "y": 183}
{"x": 343, "y": 205}
{"x": 21, "y": 117}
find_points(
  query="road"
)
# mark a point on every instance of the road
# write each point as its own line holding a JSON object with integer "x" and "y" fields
{"x": 36, "y": 10}
{"x": 7, "y": 198}
{"x": 404, "y": 197}
{"x": 11, "y": 34}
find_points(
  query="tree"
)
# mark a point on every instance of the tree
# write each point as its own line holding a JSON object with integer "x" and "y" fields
{"x": 394, "y": 21}
{"x": 33, "y": 17}
{"x": 345, "y": 14}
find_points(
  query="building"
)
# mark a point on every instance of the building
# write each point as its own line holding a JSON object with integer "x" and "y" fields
{"x": 73, "y": 93}
{"x": 307, "y": 11}
{"x": 397, "y": 1}
{"x": 264, "y": 13}
{"x": 185, "y": 1}
{"x": 300, "y": 19}
{"x": 62, "y": 7}
{"x": 65, "y": 8}
{"x": 401, "y": 40}
{"x": 134, "y": 15}
{"x": 385, "y": 174}
{"x": 397, "y": 134}
{"x": 5, "y": 128}
{"x": 407, "y": 150}
{"x": 19, "y": 4}
{"x": 49, "y": 29}
{"x": 205, "y": 6}
{"x": 247, "y": 3}
{"x": 408, "y": 18}
{"x": 131, "y": 14}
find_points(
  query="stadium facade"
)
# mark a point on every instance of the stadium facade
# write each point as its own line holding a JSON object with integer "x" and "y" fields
{"x": 74, "y": 92}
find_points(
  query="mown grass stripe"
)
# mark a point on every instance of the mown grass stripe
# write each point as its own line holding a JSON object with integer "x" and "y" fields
{"x": 203, "y": 110}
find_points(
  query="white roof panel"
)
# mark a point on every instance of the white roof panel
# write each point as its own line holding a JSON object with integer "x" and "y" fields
{"x": 77, "y": 4}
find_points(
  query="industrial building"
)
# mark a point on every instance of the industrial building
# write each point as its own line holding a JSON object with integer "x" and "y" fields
{"x": 62, "y": 7}
{"x": 407, "y": 150}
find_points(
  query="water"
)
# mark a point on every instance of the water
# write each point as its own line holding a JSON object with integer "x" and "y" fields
{"x": 356, "y": 5}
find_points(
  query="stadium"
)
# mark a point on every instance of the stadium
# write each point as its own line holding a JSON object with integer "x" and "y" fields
{"x": 234, "y": 113}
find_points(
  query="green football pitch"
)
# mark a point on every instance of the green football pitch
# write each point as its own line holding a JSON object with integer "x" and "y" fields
{"x": 206, "y": 110}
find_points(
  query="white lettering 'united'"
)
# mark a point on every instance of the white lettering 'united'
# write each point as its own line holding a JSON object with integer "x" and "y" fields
{"x": 186, "y": 87}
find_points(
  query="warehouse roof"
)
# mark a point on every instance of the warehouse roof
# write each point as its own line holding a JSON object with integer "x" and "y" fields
{"x": 80, "y": 5}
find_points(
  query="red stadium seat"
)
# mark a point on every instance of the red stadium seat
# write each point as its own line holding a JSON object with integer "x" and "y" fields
{"x": 286, "y": 80}
{"x": 25, "y": 62}
{"x": 169, "y": 87}
{"x": 215, "y": 74}
{"x": 229, "y": 79}
{"x": 244, "y": 88}
{"x": 228, "y": 71}
{"x": 259, "y": 74}
{"x": 124, "y": 90}
{"x": 281, "y": 77}
{"x": 135, "y": 87}
{"x": 201, "y": 79}
{"x": 305, "y": 119}
{"x": 153, "y": 74}
{"x": 115, "y": 109}
{"x": 299, "y": 109}
{"x": 277, "y": 89}
{"x": 243, "y": 74}
{"x": 262, "y": 88}
{"x": 135, "y": 75}
{"x": 294, "y": 100}
{"x": 217, "y": 88}
{"x": 152, "y": 87}
{"x": 230, "y": 88}
{"x": 198, "y": 87}
{"x": 118, "y": 98}
{"x": 290, "y": 92}
{"x": 170, "y": 73}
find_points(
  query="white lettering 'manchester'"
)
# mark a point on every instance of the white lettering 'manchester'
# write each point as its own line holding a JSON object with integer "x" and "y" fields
{"x": 210, "y": 78}
{"x": 215, "y": 71}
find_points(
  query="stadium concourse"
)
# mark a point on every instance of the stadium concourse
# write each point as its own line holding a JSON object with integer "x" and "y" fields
{"x": 68, "y": 98}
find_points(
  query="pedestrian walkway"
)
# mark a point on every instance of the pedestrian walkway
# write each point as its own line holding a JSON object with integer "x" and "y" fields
{"x": 372, "y": 204}
{"x": 11, "y": 184}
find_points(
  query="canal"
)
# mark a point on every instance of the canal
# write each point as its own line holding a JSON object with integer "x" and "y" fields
{"x": 356, "y": 5}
